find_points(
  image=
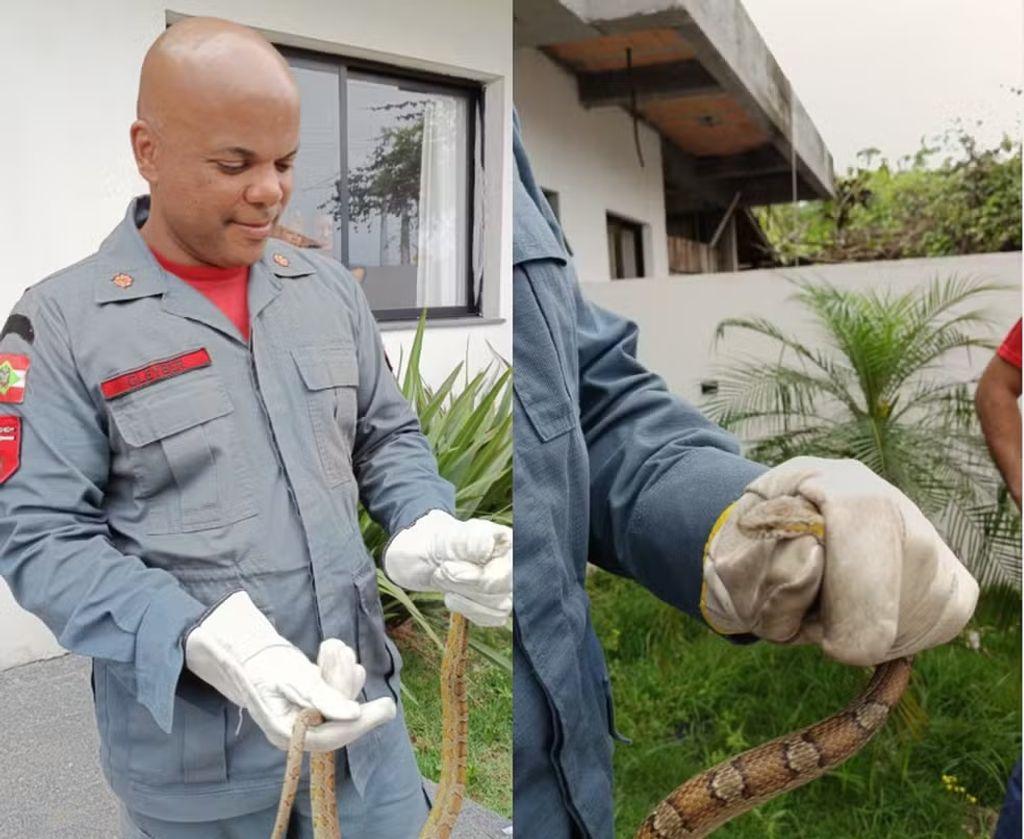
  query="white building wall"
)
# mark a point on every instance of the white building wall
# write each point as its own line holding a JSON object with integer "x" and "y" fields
{"x": 589, "y": 158}
{"x": 68, "y": 89}
{"x": 677, "y": 315}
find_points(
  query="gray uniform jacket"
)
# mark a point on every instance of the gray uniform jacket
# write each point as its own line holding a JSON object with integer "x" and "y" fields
{"x": 610, "y": 467}
{"x": 165, "y": 462}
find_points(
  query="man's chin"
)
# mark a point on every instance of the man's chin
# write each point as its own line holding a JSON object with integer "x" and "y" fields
{"x": 237, "y": 257}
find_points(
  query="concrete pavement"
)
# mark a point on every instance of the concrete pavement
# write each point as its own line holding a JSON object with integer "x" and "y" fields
{"x": 50, "y": 781}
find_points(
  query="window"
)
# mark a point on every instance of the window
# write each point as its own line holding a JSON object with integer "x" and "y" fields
{"x": 384, "y": 182}
{"x": 625, "y": 248}
{"x": 552, "y": 199}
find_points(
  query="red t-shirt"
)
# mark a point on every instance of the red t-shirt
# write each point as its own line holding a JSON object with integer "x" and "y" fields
{"x": 226, "y": 288}
{"x": 1009, "y": 351}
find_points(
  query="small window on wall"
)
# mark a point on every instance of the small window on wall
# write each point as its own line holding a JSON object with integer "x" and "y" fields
{"x": 625, "y": 248}
{"x": 384, "y": 182}
{"x": 552, "y": 199}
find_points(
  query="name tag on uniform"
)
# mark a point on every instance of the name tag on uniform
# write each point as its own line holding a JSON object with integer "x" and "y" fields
{"x": 154, "y": 372}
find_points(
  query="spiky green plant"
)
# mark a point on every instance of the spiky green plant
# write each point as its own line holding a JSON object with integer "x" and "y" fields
{"x": 470, "y": 431}
{"x": 877, "y": 386}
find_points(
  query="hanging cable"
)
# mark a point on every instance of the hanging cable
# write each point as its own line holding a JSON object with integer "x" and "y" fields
{"x": 632, "y": 105}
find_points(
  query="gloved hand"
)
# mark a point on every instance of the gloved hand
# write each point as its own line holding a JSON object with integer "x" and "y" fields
{"x": 877, "y": 584}
{"x": 470, "y": 561}
{"x": 238, "y": 651}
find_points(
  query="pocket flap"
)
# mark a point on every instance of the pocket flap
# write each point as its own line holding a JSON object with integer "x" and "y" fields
{"x": 158, "y": 412}
{"x": 550, "y": 413}
{"x": 324, "y": 367}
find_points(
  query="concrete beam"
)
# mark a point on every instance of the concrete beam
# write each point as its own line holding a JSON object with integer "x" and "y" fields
{"x": 536, "y": 23}
{"x": 684, "y": 190}
{"x": 730, "y": 48}
{"x": 763, "y": 161}
{"x": 649, "y": 82}
{"x": 772, "y": 189}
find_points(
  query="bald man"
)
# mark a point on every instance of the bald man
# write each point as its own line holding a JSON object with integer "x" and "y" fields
{"x": 193, "y": 413}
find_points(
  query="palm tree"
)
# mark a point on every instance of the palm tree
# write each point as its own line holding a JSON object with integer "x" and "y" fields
{"x": 878, "y": 388}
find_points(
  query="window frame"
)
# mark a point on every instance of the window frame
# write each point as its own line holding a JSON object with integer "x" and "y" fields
{"x": 424, "y": 82}
{"x": 637, "y": 228}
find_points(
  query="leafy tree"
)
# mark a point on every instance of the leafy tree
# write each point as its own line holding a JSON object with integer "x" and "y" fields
{"x": 968, "y": 203}
{"x": 388, "y": 183}
{"x": 877, "y": 389}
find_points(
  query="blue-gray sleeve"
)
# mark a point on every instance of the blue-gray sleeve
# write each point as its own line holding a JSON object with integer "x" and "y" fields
{"x": 660, "y": 472}
{"x": 393, "y": 463}
{"x": 55, "y": 548}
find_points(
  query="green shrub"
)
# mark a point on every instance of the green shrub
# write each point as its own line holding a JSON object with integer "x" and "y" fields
{"x": 470, "y": 431}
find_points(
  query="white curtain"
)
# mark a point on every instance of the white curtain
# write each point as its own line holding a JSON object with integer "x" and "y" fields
{"x": 438, "y": 274}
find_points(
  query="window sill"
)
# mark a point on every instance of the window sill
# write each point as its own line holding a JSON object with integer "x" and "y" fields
{"x": 440, "y": 323}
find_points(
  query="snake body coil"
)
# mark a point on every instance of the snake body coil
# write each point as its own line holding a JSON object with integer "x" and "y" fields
{"x": 740, "y": 783}
{"x": 734, "y": 786}
{"x": 451, "y": 786}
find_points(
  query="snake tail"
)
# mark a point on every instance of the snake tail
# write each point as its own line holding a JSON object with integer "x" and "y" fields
{"x": 322, "y": 795}
{"x": 293, "y": 772}
{"x": 451, "y": 788}
{"x": 717, "y": 795}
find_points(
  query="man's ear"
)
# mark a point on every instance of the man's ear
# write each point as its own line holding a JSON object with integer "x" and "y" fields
{"x": 144, "y": 147}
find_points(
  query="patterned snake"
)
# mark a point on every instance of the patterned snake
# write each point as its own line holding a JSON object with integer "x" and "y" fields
{"x": 451, "y": 785}
{"x": 738, "y": 784}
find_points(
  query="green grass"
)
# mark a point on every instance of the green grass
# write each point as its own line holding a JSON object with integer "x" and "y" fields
{"x": 489, "y": 770}
{"x": 688, "y": 699}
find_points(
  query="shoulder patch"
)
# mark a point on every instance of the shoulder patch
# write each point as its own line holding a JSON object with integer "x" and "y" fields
{"x": 19, "y": 325}
{"x": 13, "y": 375}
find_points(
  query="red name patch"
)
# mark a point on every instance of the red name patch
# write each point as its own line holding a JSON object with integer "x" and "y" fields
{"x": 10, "y": 446}
{"x": 155, "y": 372}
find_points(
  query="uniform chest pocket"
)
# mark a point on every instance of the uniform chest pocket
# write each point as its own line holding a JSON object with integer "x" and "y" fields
{"x": 189, "y": 463}
{"x": 543, "y": 348}
{"x": 331, "y": 376}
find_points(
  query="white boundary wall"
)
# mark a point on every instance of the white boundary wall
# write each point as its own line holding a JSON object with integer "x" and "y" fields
{"x": 589, "y": 158}
{"x": 68, "y": 98}
{"x": 677, "y": 315}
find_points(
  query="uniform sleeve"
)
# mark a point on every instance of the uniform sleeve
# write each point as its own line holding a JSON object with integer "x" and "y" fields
{"x": 660, "y": 472}
{"x": 55, "y": 548}
{"x": 393, "y": 463}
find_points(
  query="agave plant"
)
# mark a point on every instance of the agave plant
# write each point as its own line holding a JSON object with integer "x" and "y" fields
{"x": 470, "y": 431}
{"x": 877, "y": 387}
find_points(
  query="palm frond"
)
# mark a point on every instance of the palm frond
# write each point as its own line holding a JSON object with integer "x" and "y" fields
{"x": 470, "y": 432}
{"x": 879, "y": 389}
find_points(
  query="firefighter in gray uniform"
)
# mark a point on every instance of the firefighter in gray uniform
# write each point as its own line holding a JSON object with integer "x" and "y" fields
{"x": 180, "y": 503}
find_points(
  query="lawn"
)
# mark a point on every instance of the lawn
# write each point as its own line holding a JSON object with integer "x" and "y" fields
{"x": 688, "y": 699}
{"x": 489, "y": 770}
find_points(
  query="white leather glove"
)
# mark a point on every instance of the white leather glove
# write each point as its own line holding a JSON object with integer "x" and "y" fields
{"x": 877, "y": 584}
{"x": 238, "y": 651}
{"x": 470, "y": 561}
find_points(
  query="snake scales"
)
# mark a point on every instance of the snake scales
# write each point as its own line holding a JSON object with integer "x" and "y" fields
{"x": 451, "y": 785}
{"x": 706, "y": 801}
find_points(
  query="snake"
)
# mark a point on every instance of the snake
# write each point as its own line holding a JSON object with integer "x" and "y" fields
{"x": 740, "y": 783}
{"x": 451, "y": 788}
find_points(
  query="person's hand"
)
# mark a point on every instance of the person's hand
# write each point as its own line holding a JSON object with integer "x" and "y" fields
{"x": 875, "y": 583}
{"x": 238, "y": 651}
{"x": 469, "y": 561}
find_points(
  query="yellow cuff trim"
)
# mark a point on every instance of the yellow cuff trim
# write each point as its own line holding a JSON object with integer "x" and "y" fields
{"x": 718, "y": 525}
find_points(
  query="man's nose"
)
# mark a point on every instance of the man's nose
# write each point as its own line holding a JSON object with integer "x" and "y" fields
{"x": 266, "y": 186}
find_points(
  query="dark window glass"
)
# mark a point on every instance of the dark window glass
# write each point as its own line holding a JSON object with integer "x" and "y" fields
{"x": 552, "y": 198}
{"x": 625, "y": 248}
{"x": 384, "y": 182}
